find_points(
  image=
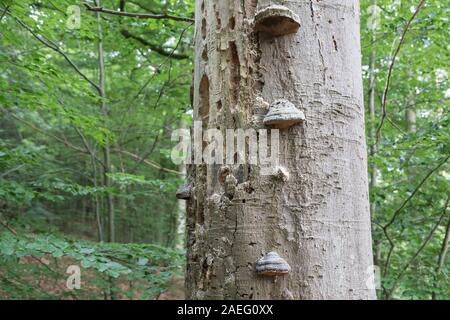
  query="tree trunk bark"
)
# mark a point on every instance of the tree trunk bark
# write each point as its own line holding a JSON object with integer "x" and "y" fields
{"x": 106, "y": 147}
{"x": 319, "y": 219}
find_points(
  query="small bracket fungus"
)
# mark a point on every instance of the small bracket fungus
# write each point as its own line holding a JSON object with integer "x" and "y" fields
{"x": 260, "y": 109}
{"x": 260, "y": 103}
{"x": 277, "y": 21}
{"x": 230, "y": 186}
{"x": 283, "y": 114}
{"x": 272, "y": 265}
{"x": 281, "y": 173}
{"x": 224, "y": 171}
{"x": 184, "y": 192}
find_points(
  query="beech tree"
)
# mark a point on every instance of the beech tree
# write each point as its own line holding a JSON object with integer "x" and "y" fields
{"x": 316, "y": 217}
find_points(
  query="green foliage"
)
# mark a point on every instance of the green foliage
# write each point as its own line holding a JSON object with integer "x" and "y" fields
{"x": 406, "y": 155}
{"x": 53, "y": 134}
{"x": 129, "y": 270}
{"x": 53, "y": 130}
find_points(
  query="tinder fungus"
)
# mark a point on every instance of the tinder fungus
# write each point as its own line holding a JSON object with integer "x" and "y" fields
{"x": 283, "y": 114}
{"x": 184, "y": 192}
{"x": 277, "y": 21}
{"x": 272, "y": 265}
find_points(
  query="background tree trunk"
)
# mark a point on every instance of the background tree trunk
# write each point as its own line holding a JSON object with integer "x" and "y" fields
{"x": 374, "y": 144}
{"x": 106, "y": 148}
{"x": 319, "y": 220}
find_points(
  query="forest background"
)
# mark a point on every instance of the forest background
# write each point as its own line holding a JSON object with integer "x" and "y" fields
{"x": 88, "y": 102}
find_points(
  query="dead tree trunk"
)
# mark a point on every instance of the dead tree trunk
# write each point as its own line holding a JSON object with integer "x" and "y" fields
{"x": 318, "y": 220}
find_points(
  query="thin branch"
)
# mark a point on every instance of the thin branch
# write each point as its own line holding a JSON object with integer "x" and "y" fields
{"x": 414, "y": 192}
{"x": 444, "y": 249}
{"x": 4, "y": 12}
{"x": 11, "y": 170}
{"x": 399, "y": 209}
{"x": 391, "y": 68}
{"x": 146, "y": 155}
{"x": 50, "y": 44}
{"x": 442, "y": 254}
{"x": 136, "y": 96}
{"x": 414, "y": 257}
{"x": 50, "y": 6}
{"x": 6, "y": 226}
{"x": 63, "y": 141}
{"x": 14, "y": 232}
{"x": 153, "y": 47}
{"x": 395, "y": 126}
{"x": 159, "y": 67}
{"x": 138, "y": 15}
{"x": 147, "y": 161}
{"x": 87, "y": 146}
{"x": 82, "y": 137}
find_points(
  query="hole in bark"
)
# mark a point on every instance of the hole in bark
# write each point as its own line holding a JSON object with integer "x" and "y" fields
{"x": 203, "y": 6}
{"x": 219, "y": 105}
{"x": 205, "y": 274}
{"x": 223, "y": 176}
{"x": 218, "y": 20}
{"x": 235, "y": 73}
{"x": 204, "y": 28}
{"x": 335, "y": 44}
{"x": 204, "y": 105}
{"x": 232, "y": 23}
{"x": 205, "y": 53}
{"x": 204, "y": 94}
{"x": 200, "y": 218}
{"x": 240, "y": 174}
{"x": 249, "y": 189}
{"x": 259, "y": 84}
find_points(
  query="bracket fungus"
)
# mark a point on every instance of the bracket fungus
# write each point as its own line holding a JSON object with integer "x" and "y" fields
{"x": 184, "y": 192}
{"x": 281, "y": 173}
{"x": 283, "y": 114}
{"x": 276, "y": 20}
{"x": 230, "y": 186}
{"x": 272, "y": 265}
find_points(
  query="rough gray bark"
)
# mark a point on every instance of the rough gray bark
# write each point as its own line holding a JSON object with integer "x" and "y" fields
{"x": 318, "y": 220}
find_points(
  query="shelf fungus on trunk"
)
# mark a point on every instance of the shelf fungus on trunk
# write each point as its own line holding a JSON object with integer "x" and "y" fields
{"x": 276, "y": 20}
{"x": 230, "y": 186}
{"x": 283, "y": 114}
{"x": 280, "y": 173}
{"x": 272, "y": 265}
{"x": 184, "y": 192}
